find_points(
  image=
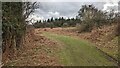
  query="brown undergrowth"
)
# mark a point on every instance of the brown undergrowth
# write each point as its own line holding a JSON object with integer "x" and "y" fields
{"x": 38, "y": 51}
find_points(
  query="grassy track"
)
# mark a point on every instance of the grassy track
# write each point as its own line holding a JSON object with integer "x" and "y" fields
{"x": 78, "y": 52}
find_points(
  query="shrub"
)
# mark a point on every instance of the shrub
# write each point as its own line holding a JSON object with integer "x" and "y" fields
{"x": 65, "y": 25}
{"x": 84, "y": 27}
{"x": 80, "y": 28}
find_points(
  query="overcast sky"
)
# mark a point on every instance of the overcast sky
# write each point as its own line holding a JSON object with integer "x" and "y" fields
{"x": 67, "y": 9}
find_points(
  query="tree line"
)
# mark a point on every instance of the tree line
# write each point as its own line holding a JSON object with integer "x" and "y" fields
{"x": 56, "y": 22}
{"x": 88, "y": 17}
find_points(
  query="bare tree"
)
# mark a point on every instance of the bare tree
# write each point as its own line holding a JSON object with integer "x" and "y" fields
{"x": 29, "y": 8}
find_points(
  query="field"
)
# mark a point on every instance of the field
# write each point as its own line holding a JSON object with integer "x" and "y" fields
{"x": 62, "y": 47}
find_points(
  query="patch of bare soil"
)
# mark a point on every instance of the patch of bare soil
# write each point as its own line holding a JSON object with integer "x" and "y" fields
{"x": 38, "y": 51}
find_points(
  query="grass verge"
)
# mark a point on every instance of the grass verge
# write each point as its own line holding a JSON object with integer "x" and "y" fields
{"x": 76, "y": 52}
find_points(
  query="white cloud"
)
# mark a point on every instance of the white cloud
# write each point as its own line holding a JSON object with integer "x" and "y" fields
{"x": 35, "y": 18}
{"x": 111, "y": 4}
{"x": 53, "y": 14}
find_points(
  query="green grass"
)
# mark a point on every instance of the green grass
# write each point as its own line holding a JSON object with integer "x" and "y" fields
{"x": 78, "y": 52}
